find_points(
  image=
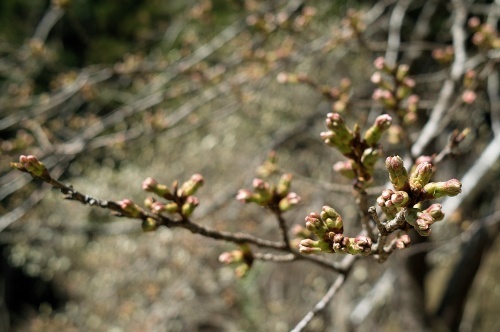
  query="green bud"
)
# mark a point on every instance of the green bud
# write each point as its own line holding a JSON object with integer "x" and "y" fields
{"x": 130, "y": 209}
{"x": 420, "y": 176}
{"x": 370, "y": 157}
{"x": 188, "y": 207}
{"x": 149, "y": 225}
{"x": 288, "y": 202}
{"x": 345, "y": 168}
{"x": 151, "y": 185}
{"x": 284, "y": 184}
{"x": 397, "y": 173}
{"x": 400, "y": 198}
{"x": 374, "y": 133}
{"x": 335, "y": 225}
{"x": 190, "y": 187}
{"x": 450, "y": 188}
{"x": 309, "y": 246}
{"x": 32, "y": 165}
{"x": 435, "y": 211}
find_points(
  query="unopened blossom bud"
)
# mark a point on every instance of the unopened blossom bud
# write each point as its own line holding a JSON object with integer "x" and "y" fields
{"x": 149, "y": 225}
{"x": 245, "y": 196}
{"x": 379, "y": 63}
{"x": 130, "y": 208}
{"x": 32, "y": 165}
{"x": 172, "y": 207}
{"x": 235, "y": 256}
{"x": 188, "y": 207}
{"x": 335, "y": 225}
{"x": 190, "y": 187}
{"x": 345, "y": 168}
{"x": 151, "y": 185}
{"x": 328, "y": 212}
{"x": 421, "y": 176}
{"x": 435, "y": 211}
{"x": 315, "y": 224}
{"x": 148, "y": 202}
{"x": 403, "y": 242}
{"x": 397, "y": 173}
{"x": 374, "y": 133}
{"x": 376, "y": 78}
{"x": 157, "y": 207}
{"x": 284, "y": 184}
{"x": 400, "y": 198}
{"x": 469, "y": 96}
{"x": 402, "y": 72}
{"x": 450, "y": 188}
{"x": 289, "y": 201}
{"x": 309, "y": 246}
{"x": 361, "y": 245}
{"x": 423, "y": 223}
{"x": 241, "y": 270}
{"x": 370, "y": 157}
{"x": 262, "y": 191}
{"x": 335, "y": 123}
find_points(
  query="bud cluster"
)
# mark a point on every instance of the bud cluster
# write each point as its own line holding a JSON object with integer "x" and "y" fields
{"x": 179, "y": 199}
{"x": 328, "y": 228}
{"x": 241, "y": 258}
{"x": 485, "y": 36}
{"x": 276, "y": 197}
{"x": 362, "y": 153}
{"x": 413, "y": 189}
{"x": 395, "y": 89}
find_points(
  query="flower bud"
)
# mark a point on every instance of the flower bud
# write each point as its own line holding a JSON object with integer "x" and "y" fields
{"x": 149, "y": 225}
{"x": 328, "y": 212}
{"x": 403, "y": 242}
{"x": 315, "y": 224}
{"x": 360, "y": 245}
{"x": 130, "y": 208}
{"x": 151, "y": 185}
{"x": 335, "y": 225}
{"x": 370, "y": 157}
{"x": 420, "y": 176}
{"x": 345, "y": 168}
{"x": 309, "y": 246}
{"x": 262, "y": 191}
{"x": 190, "y": 187}
{"x": 32, "y": 165}
{"x": 157, "y": 207}
{"x": 245, "y": 196}
{"x": 374, "y": 133}
{"x": 188, "y": 207}
{"x": 435, "y": 211}
{"x": 400, "y": 198}
{"x": 402, "y": 72}
{"x": 450, "y": 188}
{"x": 397, "y": 173}
{"x": 284, "y": 184}
{"x": 235, "y": 256}
{"x": 289, "y": 201}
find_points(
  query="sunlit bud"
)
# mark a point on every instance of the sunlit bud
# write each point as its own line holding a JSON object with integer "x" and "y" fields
{"x": 400, "y": 198}
{"x": 315, "y": 224}
{"x": 130, "y": 208}
{"x": 450, "y": 188}
{"x": 403, "y": 242}
{"x": 345, "y": 168}
{"x": 435, "y": 211}
{"x": 360, "y": 245}
{"x": 284, "y": 184}
{"x": 335, "y": 225}
{"x": 328, "y": 212}
{"x": 289, "y": 201}
{"x": 151, "y": 185}
{"x": 370, "y": 157}
{"x": 149, "y": 225}
{"x": 421, "y": 176}
{"x": 335, "y": 123}
{"x": 387, "y": 193}
{"x": 309, "y": 246}
{"x": 374, "y": 133}
{"x": 397, "y": 173}
{"x": 188, "y": 207}
{"x": 380, "y": 201}
{"x": 235, "y": 256}
{"x": 190, "y": 187}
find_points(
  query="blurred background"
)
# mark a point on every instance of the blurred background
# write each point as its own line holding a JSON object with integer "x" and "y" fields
{"x": 107, "y": 93}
